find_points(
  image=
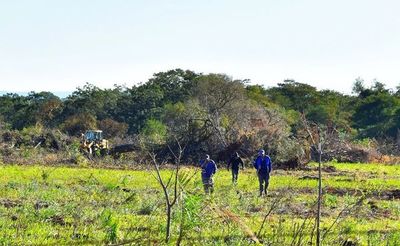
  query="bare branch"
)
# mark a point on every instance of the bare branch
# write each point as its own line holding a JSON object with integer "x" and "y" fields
{"x": 273, "y": 206}
{"x": 159, "y": 178}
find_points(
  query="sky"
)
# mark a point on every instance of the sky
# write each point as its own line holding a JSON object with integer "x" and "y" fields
{"x": 59, "y": 45}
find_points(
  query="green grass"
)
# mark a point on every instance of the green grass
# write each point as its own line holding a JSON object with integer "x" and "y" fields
{"x": 65, "y": 206}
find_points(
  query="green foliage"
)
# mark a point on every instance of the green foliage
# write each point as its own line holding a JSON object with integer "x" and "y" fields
{"x": 91, "y": 100}
{"x": 258, "y": 94}
{"x": 147, "y": 100}
{"x": 324, "y": 107}
{"x": 146, "y": 208}
{"x": 110, "y": 225}
{"x": 79, "y": 123}
{"x": 80, "y": 160}
{"x": 365, "y": 142}
{"x": 192, "y": 205}
{"x": 28, "y": 134}
{"x": 176, "y": 84}
{"x": 112, "y": 128}
{"x": 294, "y": 95}
{"x": 331, "y": 201}
{"x": 45, "y": 175}
{"x": 154, "y": 131}
{"x": 25, "y": 111}
{"x": 376, "y": 114}
{"x": 209, "y": 112}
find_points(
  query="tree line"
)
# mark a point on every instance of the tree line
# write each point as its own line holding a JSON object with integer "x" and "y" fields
{"x": 214, "y": 113}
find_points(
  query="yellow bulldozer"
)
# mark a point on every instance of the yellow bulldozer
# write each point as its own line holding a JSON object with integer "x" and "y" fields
{"x": 93, "y": 143}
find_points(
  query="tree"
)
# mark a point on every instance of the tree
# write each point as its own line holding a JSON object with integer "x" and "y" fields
{"x": 155, "y": 132}
{"x": 150, "y": 137}
{"x": 112, "y": 128}
{"x": 47, "y": 108}
{"x": 213, "y": 112}
{"x": 79, "y": 123}
{"x": 143, "y": 103}
{"x": 375, "y": 112}
{"x": 316, "y": 139}
{"x": 358, "y": 86}
{"x": 25, "y": 111}
{"x": 294, "y": 95}
{"x": 90, "y": 99}
{"x": 176, "y": 84}
{"x": 147, "y": 100}
{"x": 220, "y": 118}
{"x": 332, "y": 109}
{"x": 14, "y": 111}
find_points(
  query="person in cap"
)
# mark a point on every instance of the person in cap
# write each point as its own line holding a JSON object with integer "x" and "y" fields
{"x": 235, "y": 161}
{"x": 208, "y": 169}
{"x": 263, "y": 166}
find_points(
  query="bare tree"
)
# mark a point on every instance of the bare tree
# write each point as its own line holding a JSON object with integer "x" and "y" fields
{"x": 316, "y": 142}
{"x": 168, "y": 186}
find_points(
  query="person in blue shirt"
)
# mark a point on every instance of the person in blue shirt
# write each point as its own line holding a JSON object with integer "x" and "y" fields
{"x": 208, "y": 169}
{"x": 264, "y": 167}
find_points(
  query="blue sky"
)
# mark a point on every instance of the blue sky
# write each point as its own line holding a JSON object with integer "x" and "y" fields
{"x": 59, "y": 45}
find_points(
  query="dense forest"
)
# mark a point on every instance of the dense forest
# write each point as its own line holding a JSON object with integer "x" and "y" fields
{"x": 212, "y": 113}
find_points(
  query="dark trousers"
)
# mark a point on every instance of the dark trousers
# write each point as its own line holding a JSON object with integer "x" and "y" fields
{"x": 263, "y": 178}
{"x": 235, "y": 174}
{"x": 208, "y": 184}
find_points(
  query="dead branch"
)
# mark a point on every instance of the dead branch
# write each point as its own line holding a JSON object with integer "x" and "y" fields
{"x": 273, "y": 206}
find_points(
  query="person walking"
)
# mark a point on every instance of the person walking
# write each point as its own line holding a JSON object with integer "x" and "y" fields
{"x": 264, "y": 167}
{"x": 235, "y": 161}
{"x": 208, "y": 169}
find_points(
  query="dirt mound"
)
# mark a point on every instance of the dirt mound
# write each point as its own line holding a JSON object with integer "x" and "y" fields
{"x": 382, "y": 195}
{"x": 41, "y": 204}
{"x": 58, "y": 220}
{"x": 308, "y": 177}
{"x": 8, "y": 203}
{"x": 329, "y": 169}
{"x": 290, "y": 164}
{"x": 390, "y": 194}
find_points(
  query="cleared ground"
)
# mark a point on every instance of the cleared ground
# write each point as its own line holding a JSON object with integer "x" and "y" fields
{"x": 60, "y": 205}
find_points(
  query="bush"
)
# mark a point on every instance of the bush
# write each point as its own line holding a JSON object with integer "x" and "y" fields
{"x": 112, "y": 128}
{"x": 80, "y": 160}
{"x": 154, "y": 132}
{"x": 79, "y": 123}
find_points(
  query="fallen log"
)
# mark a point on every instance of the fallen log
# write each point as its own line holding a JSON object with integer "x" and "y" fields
{"x": 119, "y": 149}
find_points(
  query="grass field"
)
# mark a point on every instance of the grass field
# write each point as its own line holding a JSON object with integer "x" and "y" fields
{"x": 73, "y": 206}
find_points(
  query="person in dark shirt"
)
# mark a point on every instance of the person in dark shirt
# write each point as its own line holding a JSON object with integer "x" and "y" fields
{"x": 208, "y": 169}
{"x": 234, "y": 162}
{"x": 264, "y": 167}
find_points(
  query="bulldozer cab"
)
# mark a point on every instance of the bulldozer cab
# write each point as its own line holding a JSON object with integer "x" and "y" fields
{"x": 94, "y": 135}
{"x": 93, "y": 141}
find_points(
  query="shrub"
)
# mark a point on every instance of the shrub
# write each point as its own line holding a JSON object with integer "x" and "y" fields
{"x": 112, "y": 128}
{"x": 79, "y": 123}
{"x": 154, "y": 132}
{"x": 80, "y": 160}
{"x": 110, "y": 225}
